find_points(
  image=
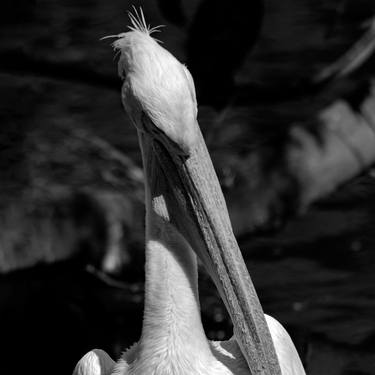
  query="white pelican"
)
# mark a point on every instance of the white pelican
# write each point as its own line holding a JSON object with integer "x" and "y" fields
{"x": 185, "y": 211}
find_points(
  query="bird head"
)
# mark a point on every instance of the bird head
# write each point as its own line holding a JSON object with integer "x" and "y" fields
{"x": 157, "y": 87}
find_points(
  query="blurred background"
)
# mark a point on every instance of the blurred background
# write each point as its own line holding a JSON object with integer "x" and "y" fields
{"x": 71, "y": 182}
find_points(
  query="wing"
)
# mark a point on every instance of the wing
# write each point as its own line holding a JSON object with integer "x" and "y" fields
{"x": 95, "y": 362}
{"x": 229, "y": 354}
{"x": 287, "y": 354}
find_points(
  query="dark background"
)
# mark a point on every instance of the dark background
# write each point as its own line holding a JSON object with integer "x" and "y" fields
{"x": 71, "y": 213}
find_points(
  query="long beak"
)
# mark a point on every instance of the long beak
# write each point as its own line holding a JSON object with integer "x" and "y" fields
{"x": 197, "y": 208}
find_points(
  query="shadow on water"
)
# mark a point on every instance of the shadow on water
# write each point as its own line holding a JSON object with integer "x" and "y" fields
{"x": 51, "y": 315}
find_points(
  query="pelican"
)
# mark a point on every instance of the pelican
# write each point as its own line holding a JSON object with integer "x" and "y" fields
{"x": 186, "y": 216}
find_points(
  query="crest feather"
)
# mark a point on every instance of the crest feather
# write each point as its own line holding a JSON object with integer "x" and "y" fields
{"x": 138, "y": 22}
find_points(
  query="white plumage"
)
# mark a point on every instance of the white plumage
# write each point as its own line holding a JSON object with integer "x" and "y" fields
{"x": 159, "y": 96}
{"x": 229, "y": 359}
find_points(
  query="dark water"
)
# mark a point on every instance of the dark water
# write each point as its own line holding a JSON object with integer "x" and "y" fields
{"x": 316, "y": 275}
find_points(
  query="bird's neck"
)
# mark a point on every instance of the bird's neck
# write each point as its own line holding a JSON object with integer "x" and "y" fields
{"x": 172, "y": 319}
{"x": 172, "y": 324}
